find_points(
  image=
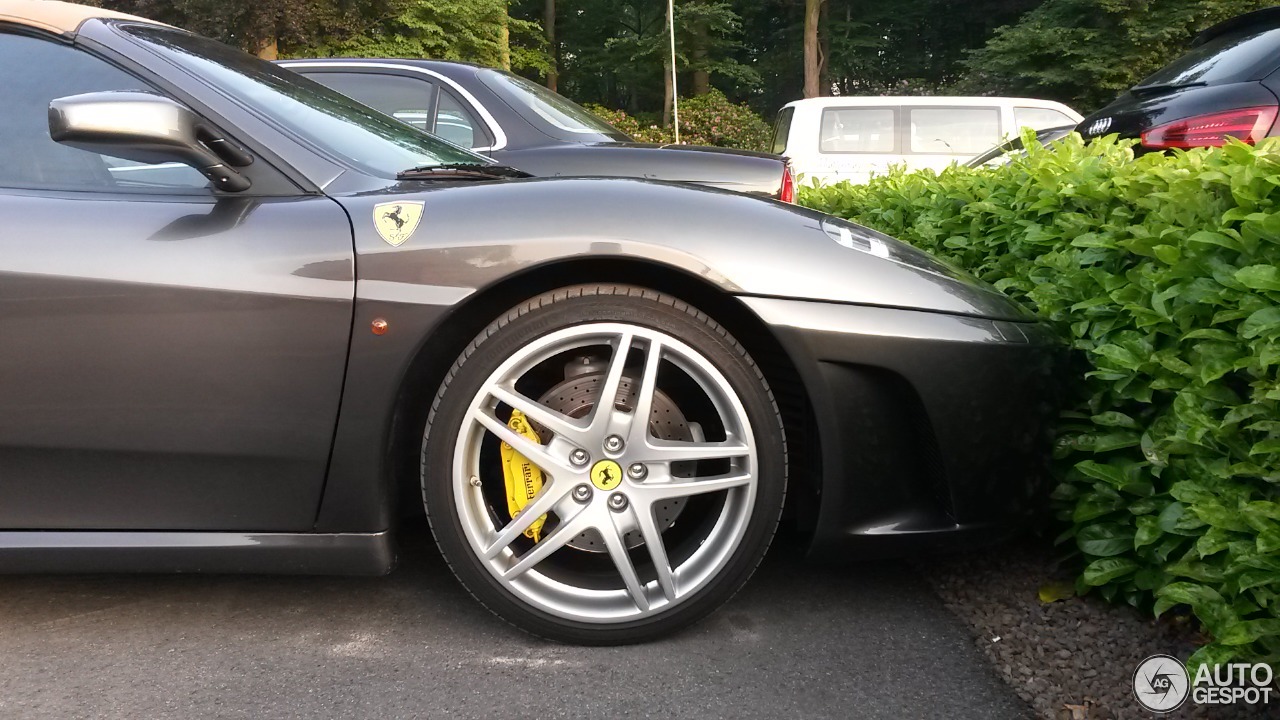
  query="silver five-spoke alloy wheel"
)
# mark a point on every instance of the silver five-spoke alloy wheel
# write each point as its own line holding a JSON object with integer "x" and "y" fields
{"x": 659, "y": 456}
{"x": 610, "y": 500}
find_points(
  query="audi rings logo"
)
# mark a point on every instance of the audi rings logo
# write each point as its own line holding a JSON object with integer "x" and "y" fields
{"x": 1098, "y": 127}
{"x": 1161, "y": 684}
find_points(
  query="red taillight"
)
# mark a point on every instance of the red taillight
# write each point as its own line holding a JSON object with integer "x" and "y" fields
{"x": 1247, "y": 124}
{"x": 788, "y": 194}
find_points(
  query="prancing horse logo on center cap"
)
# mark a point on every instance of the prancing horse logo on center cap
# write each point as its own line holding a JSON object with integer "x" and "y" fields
{"x": 606, "y": 475}
{"x": 396, "y": 221}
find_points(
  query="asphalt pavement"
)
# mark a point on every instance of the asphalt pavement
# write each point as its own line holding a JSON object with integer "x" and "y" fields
{"x": 801, "y": 641}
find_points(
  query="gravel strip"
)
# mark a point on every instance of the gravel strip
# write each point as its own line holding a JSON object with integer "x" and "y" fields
{"x": 1070, "y": 660}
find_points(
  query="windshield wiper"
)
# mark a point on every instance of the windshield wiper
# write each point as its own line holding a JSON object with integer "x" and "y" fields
{"x": 461, "y": 171}
{"x": 1162, "y": 88}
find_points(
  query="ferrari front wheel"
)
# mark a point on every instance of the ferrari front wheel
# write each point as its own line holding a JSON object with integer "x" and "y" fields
{"x": 603, "y": 465}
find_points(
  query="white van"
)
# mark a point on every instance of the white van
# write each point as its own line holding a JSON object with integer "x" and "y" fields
{"x": 832, "y": 139}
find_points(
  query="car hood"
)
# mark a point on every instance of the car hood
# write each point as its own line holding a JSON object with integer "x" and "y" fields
{"x": 473, "y": 235}
{"x": 736, "y": 170}
{"x": 671, "y": 147}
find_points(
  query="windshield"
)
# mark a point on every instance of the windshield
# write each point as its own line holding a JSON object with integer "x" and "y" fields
{"x": 330, "y": 122}
{"x": 1234, "y": 57}
{"x": 554, "y": 114}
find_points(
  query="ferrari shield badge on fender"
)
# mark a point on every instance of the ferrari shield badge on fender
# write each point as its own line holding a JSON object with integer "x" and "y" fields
{"x": 396, "y": 221}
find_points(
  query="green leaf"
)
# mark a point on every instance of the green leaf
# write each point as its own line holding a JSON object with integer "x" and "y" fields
{"x": 1220, "y": 517}
{"x": 1105, "y": 540}
{"x": 1169, "y": 254}
{"x": 1213, "y": 238}
{"x": 1257, "y": 578}
{"x": 1259, "y": 277}
{"x": 1205, "y": 602}
{"x": 1265, "y": 447}
{"x": 1268, "y": 541}
{"x": 1248, "y": 631}
{"x": 1106, "y": 570}
{"x": 1148, "y": 531}
{"x": 1212, "y": 542}
{"x": 1175, "y": 519}
{"x": 1114, "y": 419}
{"x": 1261, "y": 322}
{"x": 1109, "y": 474}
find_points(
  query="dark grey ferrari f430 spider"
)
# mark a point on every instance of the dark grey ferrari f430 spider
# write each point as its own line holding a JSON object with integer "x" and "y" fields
{"x": 240, "y": 313}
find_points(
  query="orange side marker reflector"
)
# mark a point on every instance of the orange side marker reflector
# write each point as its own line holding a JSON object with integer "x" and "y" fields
{"x": 379, "y": 327}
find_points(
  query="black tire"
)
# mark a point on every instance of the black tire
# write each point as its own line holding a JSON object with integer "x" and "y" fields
{"x": 565, "y": 308}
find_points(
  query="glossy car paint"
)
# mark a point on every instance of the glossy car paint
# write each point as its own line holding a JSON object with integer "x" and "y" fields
{"x": 520, "y": 144}
{"x": 713, "y": 238}
{"x": 919, "y": 478}
{"x": 183, "y": 359}
{"x": 1137, "y": 111}
{"x": 881, "y": 347}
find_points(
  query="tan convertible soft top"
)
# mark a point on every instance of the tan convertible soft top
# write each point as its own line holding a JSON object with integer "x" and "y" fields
{"x": 59, "y": 17}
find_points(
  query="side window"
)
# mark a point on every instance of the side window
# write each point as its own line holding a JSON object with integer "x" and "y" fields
{"x": 457, "y": 124}
{"x": 782, "y": 131}
{"x": 34, "y": 72}
{"x": 859, "y": 130}
{"x": 1040, "y": 118}
{"x": 408, "y": 100}
{"x": 954, "y": 130}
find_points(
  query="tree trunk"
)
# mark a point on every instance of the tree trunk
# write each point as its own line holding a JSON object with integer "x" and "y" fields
{"x": 668, "y": 95}
{"x": 268, "y": 49}
{"x": 549, "y": 20}
{"x": 824, "y": 50}
{"x": 812, "y": 49}
{"x": 669, "y": 90}
{"x": 505, "y": 37}
{"x": 701, "y": 77}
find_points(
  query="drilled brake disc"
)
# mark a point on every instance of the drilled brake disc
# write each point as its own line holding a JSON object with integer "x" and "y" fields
{"x": 576, "y": 396}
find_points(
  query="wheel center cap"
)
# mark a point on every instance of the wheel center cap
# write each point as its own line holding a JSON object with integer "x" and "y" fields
{"x": 606, "y": 475}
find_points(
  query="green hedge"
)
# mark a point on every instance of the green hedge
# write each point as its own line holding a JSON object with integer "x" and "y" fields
{"x": 1163, "y": 272}
{"x": 709, "y": 119}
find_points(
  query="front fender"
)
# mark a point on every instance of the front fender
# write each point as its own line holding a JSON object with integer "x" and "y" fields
{"x": 473, "y": 236}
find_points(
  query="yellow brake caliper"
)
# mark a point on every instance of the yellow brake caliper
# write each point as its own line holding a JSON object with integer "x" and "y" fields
{"x": 522, "y": 477}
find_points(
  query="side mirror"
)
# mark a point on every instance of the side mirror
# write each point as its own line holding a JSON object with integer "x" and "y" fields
{"x": 146, "y": 128}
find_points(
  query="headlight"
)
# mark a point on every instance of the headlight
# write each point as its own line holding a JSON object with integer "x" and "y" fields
{"x": 856, "y": 237}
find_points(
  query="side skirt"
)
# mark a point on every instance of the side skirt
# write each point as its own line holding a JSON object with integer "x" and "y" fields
{"x": 34, "y": 551}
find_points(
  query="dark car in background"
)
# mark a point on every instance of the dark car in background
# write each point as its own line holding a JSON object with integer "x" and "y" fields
{"x": 1004, "y": 152}
{"x": 522, "y": 124}
{"x": 1226, "y": 86}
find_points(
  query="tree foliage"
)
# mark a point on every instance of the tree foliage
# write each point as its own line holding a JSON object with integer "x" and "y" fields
{"x": 467, "y": 30}
{"x": 1086, "y": 52}
{"x": 709, "y": 119}
{"x": 253, "y": 24}
{"x": 613, "y": 52}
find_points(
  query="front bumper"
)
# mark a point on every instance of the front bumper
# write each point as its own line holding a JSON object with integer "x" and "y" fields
{"x": 933, "y": 430}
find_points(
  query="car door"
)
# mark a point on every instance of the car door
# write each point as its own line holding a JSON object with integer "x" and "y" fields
{"x": 171, "y": 357}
